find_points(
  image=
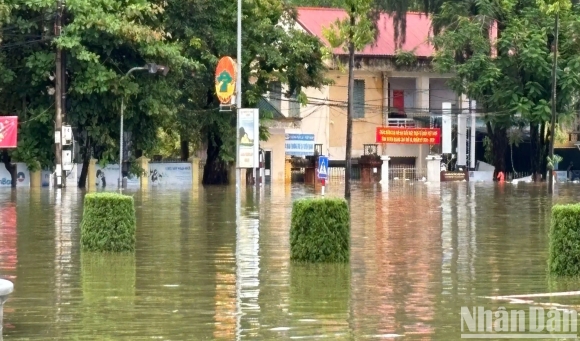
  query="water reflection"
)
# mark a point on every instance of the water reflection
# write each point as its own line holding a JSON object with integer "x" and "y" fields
{"x": 419, "y": 253}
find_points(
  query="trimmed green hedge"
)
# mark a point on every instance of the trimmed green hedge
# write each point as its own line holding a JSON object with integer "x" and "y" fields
{"x": 564, "y": 259}
{"x": 320, "y": 231}
{"x": 108, "y": 223}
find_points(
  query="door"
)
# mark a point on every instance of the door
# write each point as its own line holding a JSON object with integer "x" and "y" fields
{"x": 267, "y": 166}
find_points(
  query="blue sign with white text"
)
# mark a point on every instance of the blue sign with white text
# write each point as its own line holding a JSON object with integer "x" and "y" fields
{"x": 299, "y": 144}
{"x": 323, "y": 167}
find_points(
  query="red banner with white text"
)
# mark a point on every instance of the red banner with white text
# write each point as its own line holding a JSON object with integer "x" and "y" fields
{"x": 8, "y": 131}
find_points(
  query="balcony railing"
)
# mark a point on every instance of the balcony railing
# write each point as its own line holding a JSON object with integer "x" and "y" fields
{"x": 401, "y": 122}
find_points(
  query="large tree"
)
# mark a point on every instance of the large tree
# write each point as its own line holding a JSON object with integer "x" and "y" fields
{"x": 102, "y": 40}
{"x": 510, "y": 74}
{"x": 272, "y": 51}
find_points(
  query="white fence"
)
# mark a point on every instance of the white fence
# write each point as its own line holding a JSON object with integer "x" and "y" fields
{"x": 158, "y": 173}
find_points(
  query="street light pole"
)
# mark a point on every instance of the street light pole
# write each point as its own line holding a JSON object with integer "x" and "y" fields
{"x": 152, "y": 68}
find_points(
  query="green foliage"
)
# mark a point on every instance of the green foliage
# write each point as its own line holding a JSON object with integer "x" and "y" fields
{"x": 488, "y": 150}
{"x": 553, "y": 162}
{"x": 342, "y": 32}
{"x": 320, "y": 231}
{"x": 564, "y": 255}
{"x": 108, "y": 223}
{"x": 405, "y": 58}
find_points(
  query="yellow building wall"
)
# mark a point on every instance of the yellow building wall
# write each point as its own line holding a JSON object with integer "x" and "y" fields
{"x": 277, "y": 144}
{"x": 364, "y": 129}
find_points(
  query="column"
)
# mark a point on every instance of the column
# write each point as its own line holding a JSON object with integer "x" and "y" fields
{"x": 92, "y": 175}
{"x": 386, "y": 106}
{"x": 423, "y": 106}
{"x": 385, "y": 170}
{"x": 472, "y": 106}
{"x": 434, "y": 168}
{"x": 36, "y": 177}
{"x": 288, "y": 170}
{"x": 143, "y": 162}
{"x": 195, "y": 172}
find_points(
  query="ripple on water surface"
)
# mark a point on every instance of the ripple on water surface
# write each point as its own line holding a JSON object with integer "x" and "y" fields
{"x": 419, "y": 253}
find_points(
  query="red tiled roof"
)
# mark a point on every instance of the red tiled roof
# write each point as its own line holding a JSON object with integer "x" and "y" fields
{"x": 314, "y": 19}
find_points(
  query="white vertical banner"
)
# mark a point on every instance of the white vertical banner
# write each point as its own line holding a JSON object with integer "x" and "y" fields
{"x": 446, "y": 127}
{"x": 462, "y": 132}
{"x": 249, "y": 138}
{"x": 472, "y": 138}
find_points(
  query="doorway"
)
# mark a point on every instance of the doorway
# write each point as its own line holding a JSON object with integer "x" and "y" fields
{"x": 267, "y": 165}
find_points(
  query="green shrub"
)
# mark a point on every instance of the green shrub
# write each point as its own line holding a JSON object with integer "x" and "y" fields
{"x": 320, "y": 231}
{"x": 564, "y": 258}
{"x": 108, "y": 223}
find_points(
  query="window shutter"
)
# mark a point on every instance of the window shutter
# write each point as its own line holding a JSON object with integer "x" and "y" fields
{"x": 359, "y": 98}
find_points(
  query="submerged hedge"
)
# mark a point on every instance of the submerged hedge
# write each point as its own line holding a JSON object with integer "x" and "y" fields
{"x": 108, "y": 223}
{"x": 564, "y": 258}
{"x": 320, "y": 231}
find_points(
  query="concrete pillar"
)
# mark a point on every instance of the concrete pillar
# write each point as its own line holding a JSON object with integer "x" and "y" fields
{"x": 6, "y": 288}
{"x": 143, "y": 162}
{"x": 434, "y": 168}
{"x": 288, "y": 170}
{"x": 422, "y": 104}
{"x": 385, "y": 170}
{"x": 36, "y": 177}
{"x": 462, "y": 132}
{"x": 92, "y": 175}
{"x": 195, "y": 172}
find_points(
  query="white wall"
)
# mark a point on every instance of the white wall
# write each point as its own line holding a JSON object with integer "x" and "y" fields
{"x": 439, "y": 92}
{"x": 316, "y": 117}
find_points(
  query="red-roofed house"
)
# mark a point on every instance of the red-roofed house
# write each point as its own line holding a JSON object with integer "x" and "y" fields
{"x": 389, "y": 89}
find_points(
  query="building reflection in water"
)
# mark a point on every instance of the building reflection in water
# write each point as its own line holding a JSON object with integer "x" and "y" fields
{"x": 396, "y": 294}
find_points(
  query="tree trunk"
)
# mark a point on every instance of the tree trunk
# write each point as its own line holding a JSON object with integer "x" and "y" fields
{"x": 184, "y": 149}
{"x": 85, "y": 169}
{"x": 500, "y": 144}
{"x": 535, "y": 151}
{"x": 215, "y": 171}
{"x": 545, "y": 148}
{"x": 349, "y": 112}
{"x": 10, "y": 167}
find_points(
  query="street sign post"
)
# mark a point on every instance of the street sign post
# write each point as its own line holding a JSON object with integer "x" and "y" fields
{"x": 323, "y": 170}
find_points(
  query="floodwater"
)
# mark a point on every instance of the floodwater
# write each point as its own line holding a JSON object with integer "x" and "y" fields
{"x": 419, "y": 253}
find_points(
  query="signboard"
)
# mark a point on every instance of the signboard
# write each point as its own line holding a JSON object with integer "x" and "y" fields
{"x": 170, "y": 173}
{"x": 249, "y": 138}
{"x": 8, "y": 131}
{"x": 22, "y": 176}
{"x": 454, "y": 176}
{"x": 225, "y": 79}
{"x": 322, "y": 167}
{"x": 408, "y": 135}
{"x": 299, "y": 144}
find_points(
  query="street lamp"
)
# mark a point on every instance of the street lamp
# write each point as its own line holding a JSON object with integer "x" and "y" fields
{"x": 152, "y": 68}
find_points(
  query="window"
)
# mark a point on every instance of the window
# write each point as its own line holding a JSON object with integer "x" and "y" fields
{"x": 293, "y": 105}
{"x": 276, "y": 95}
{"x": 359, "y": 99}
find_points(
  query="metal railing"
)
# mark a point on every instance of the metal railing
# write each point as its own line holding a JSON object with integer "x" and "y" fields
{"x": 401, "y": 122}
{"x": 407, "y": 173}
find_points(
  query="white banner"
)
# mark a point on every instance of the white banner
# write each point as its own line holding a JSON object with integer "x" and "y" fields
{"x": 170, "y": 173}
{"x": 248, "y": 138}
{"x": 446, "y": 127}
{"x": 22, "y": 176}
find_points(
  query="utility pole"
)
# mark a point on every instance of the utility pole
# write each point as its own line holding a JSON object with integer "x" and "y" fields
{"x": 350, "y": 107}
{"x": 553, "y": 123}
{"x": 60, "y": 174}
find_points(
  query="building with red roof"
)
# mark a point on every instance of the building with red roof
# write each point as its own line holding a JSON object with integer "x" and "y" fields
{"x": 394, "y": 86}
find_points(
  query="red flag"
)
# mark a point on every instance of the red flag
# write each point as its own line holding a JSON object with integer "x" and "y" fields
{"x": 8, "y": 131}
